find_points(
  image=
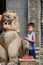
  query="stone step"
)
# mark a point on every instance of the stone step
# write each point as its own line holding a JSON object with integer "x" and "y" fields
{"x": 37, "y": 52}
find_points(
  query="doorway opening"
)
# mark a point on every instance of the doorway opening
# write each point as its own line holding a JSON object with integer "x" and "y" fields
{"x": 2, "y": 6}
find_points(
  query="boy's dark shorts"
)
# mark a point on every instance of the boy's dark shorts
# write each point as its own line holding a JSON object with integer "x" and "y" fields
{"x": 32, "y": 53}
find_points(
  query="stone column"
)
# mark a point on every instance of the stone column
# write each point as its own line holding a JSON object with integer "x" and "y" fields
{"x": 34, "y": 15}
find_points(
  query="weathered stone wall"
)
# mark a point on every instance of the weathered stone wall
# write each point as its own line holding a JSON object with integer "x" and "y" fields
{"x": 21, "y": 8}
{"x": 34, "y": 16}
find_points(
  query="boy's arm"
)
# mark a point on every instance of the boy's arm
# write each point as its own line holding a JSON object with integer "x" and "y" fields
{"x": 30, "y": 40}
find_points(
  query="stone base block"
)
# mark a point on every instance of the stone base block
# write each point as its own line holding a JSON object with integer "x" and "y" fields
{"x": 27, "y": 62}
{"x": 11, "y": 63}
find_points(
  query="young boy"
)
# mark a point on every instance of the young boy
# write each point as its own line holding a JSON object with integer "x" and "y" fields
{"x": 31, "y": 39}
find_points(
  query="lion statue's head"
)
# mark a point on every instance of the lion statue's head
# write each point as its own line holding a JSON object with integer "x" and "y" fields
{"x": 11, "y": 21}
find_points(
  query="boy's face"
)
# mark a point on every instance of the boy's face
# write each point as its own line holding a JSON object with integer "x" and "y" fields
{"x": 30, "y": 29}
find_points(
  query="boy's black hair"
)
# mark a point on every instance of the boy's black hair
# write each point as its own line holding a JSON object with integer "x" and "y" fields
{"x": 30, "y": 24}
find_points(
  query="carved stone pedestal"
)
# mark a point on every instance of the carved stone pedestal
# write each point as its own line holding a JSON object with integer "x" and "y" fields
{"x": 3, "y": 63}
{"x": 11, "y": 63}
{"x": 27, "y": 62}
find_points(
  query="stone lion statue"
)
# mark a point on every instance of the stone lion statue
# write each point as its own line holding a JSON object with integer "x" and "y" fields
{"x": 11, "y": 45}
